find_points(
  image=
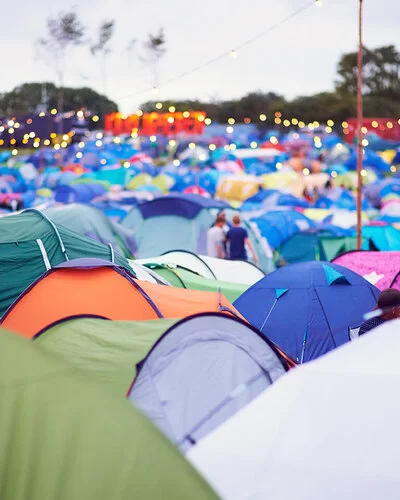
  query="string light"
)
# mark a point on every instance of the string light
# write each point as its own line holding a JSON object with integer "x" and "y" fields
{"x": 159, "y": 105}
{"x": 208, "y": 121}
{"x": 263, "y": 117}
{"x": 172, "y": 109}
{"x": 95, "y": 118}
{"x": 231, "y": 121}
{"x": 231, "y": 53}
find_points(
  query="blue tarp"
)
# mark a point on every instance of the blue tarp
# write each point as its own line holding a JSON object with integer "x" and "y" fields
{"x": 307, "y": 309}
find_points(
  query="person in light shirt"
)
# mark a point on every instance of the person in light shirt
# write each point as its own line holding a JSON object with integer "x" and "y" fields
{"x": 216, "y": 238}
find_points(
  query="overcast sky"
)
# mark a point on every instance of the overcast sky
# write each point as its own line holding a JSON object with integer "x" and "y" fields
{"x": 297, "y": 58}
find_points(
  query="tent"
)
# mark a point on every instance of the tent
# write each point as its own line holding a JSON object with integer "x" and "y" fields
{"x": 91, "y": 222}
{"x": 278, "y": 226}
{"x": 65, "y": 437}
{"x": 31, "y": 244}
{"x": 108, "y": 350}
{"x": 316, "y": 244}
{"x": 379, "y": 268}
{"x": 202, "y": 371}
{"x": 179, "y": 221}
{"x": 383, "y": 237}
{"x": 237, "y": 271}
{"x": 308, "y": 309}
{"x": 91, "y": 287}
{"x": 183, "y": 278}
{"x": 326, "y": 430}
{"x": 79, "y": 193}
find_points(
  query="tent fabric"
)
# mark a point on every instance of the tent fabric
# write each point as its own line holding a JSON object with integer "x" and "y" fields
{"x": 108, "y": 350}
{"x": 30, "y": 244}
{"x": 103, "y": 291}
{"x": 310, "y": 436}
{"x": 172, "y": 232}
{"x": 239, "y": 272}
{"x": 182, "y": 278}
{"x": 94, "y": 224}
{"x": 383, "y": 237}
{"x": 60, "y": 438}
{"x": 314, "y": 316}
{"x": 202, "y": 371}
{"x": 187, "y": 206}
{"x": 379, "y": 268}
{"x": 79, "y": 193}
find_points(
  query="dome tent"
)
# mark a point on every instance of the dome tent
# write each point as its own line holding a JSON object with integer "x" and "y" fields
{"x": 237, "y": 271}
{"x": 308, "y": 309}
{"x": 60, "y": 439}
{"x": 31, "y": 244}
{"x": 203, "y": 370}
{"x": 92, "y": 223}
{"x": 179, "y": 221}
{"x": 326, "y": 430}
{"x": 108, "y": 350}
{"x": 96, "y": 288}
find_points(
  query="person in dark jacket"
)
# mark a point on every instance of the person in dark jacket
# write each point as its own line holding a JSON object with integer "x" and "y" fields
{"x": 389, "y": 302}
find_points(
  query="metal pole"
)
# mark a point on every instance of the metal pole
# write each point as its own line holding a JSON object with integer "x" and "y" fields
{"x": 359, "y": 125}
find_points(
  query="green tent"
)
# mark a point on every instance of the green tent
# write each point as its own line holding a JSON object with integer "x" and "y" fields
{"x": 30, "y": 244}
{"x": 183, "y": 278}
{"x": 109, "y": 350}
{"x": 93, "y": 223}
{"x": 65, "y": 438}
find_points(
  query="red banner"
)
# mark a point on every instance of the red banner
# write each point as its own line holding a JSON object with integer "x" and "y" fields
{"x": 386, "y": 128}
{"x": 168, "y": 124}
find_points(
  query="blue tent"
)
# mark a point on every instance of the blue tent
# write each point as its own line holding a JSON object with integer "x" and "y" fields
{"x": 172, "y": 222}
{"x": 79, "y": 193}
{"x": 308, "y": 309}
{"x": 202, "y": 371}
{"x": 277, "y": 226}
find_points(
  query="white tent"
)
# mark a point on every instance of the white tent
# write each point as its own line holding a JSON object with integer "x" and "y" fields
{"x": 236, "y": 271}
{"x": 327, "y": 430}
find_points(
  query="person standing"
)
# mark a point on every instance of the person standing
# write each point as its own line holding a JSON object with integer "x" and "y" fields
{"x": 216, "y": 238}
{"x": 238, "y": 240}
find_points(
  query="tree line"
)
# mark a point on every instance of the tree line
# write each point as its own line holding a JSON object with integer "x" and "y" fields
{"x": 65, "y": 31}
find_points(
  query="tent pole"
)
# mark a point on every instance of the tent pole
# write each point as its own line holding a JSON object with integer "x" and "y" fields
{"x": 359, "y": 125}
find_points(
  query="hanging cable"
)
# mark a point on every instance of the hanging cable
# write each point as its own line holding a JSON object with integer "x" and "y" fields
{"x": 231, "y": 53}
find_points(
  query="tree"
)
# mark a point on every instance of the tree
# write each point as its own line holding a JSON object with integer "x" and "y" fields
{"x": 102, "y": 49}
{"x": 381, "y": 73}
{"x": 154, "y": 50}
{"x": 63, "y": 32}
{"x": 23, "y": 99}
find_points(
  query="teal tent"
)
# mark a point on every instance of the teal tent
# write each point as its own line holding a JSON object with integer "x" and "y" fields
{"x": 31, "y": 244}
{"x": 93, "y": 223}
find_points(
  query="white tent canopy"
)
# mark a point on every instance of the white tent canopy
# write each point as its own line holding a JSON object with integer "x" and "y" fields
{"x": 326, "y": 430}
{"x": 237, "y": 271}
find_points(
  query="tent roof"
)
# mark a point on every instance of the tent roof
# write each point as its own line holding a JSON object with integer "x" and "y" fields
{"x": 109, "y": 350}
{"x": 93, "y": 223}
{"x": 30, "y": 244}
{"x": 239, "y": 272}
{"x": 90, "y": 287}
{"x": 380, "y": 268}
{"x": 60, "y": 437}
{"x": 308, "y": 308}
{"x": 183, "y": 205}
{"x": 336, "y": 410}
{"x": 183, "y": 278}
{"x": 201, "y": 371}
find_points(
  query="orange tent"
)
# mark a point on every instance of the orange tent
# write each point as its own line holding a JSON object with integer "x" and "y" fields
{"x": 106, "y": 291}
